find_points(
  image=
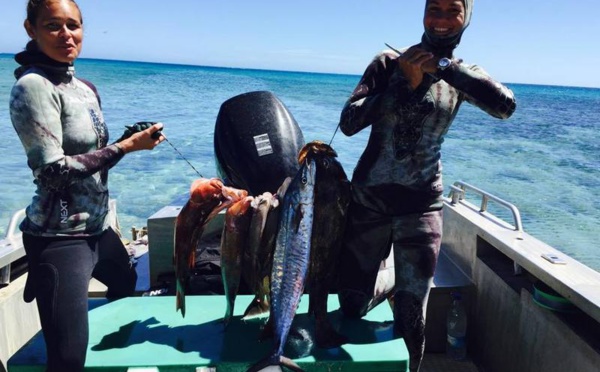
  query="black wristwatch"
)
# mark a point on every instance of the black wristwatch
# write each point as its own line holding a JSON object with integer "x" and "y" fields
{"x": 444, "y": 63}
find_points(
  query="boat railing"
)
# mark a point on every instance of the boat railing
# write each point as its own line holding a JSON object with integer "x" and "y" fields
{"x": 457, "y": 195}
{"x": 11, "y": 247}
{"x": 570, "y": 278}
{"x": 459, "y": 189}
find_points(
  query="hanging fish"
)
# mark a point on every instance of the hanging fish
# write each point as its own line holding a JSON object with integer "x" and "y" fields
{"x": 331, "y": 200}
{"x": 233, "y": 245}
{"x": 256, "y": 254}
{"x": 290, "y": 262}
{"x": 207, "y": 198}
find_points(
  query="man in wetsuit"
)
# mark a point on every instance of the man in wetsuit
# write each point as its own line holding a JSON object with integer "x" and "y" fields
{"x": 409, "y": 98}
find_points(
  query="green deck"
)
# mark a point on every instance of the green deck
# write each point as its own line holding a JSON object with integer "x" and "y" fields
{"x": 147, "y": 332}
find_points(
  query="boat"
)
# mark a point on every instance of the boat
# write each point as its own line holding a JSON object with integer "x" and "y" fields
{"x": 530, "y": 307}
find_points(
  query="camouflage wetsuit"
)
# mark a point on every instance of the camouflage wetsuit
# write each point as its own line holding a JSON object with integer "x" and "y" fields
{"x": 66, "y": 232}
{"x": 397, "y": 183}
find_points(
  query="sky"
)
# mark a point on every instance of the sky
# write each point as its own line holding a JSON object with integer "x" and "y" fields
{"x": 548, "y": 42}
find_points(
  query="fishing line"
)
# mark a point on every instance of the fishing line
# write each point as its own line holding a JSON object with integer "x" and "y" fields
{"x": 334, "y": 133}
{"x": 338, "y": 126}
{"x": 158, "y": 133}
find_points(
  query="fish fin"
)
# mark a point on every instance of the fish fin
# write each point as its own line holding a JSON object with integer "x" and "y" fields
{"x": 256, "y": 308}
{"x": 180, "y": 299}
{"x": 275, "y": 360}
{"x": 285, "y": 361}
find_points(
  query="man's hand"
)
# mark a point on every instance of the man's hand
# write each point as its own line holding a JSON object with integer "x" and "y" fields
{"x": 415, "y": 62}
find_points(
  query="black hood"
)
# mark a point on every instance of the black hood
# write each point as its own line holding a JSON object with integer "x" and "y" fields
{"x": 444, "y": 47}
{"x": 33, "y": 56}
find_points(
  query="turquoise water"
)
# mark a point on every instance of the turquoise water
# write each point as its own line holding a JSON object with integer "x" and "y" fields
{"x": 545, "y": 159}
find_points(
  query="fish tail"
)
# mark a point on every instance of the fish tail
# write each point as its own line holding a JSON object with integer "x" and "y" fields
{"x": 275, "y": 360}
{"x": 256, "y": 308}
{"x": 180, "y": 298}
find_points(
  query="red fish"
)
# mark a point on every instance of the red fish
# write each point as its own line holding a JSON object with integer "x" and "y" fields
{"x": 233, "y": 245}
{"x": 207, "y": 198}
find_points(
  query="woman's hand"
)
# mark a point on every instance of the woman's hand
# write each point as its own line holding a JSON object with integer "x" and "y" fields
{"x": 142, "y": 140}
{"x": 415, "y": 62}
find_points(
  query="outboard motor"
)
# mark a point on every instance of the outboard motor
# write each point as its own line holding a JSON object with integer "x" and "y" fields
{"x": 257, "y": 141}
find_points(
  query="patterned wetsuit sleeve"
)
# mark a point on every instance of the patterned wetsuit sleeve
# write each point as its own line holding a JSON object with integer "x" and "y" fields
{"x": 481, "y": 90}
{"x": 379, "y": 91}
{"x": 35, "y": 110}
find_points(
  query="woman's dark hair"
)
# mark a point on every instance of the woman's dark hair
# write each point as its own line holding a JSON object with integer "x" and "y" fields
{"x": 33, "y": 9}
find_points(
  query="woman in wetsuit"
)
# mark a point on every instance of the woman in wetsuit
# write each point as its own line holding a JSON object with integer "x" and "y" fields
{"x": 410, "y": 100}
{"x": 66, "y": 232}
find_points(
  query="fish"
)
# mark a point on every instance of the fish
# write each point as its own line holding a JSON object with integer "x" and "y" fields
{"x": 260, "y": 304}
{"x": 331, "y": 200}
{"x": 233, "y": 245}
{"x": 290, "y": 262}
{"x": 256, "y": 255}
{"x": 207, "y": 198}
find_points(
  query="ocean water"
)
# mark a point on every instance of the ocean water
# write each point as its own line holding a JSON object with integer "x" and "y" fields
{"x": 545, "y": 159}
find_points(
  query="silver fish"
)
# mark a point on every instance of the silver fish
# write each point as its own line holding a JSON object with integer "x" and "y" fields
{"x": 257, "y": 253}
{"x": 290, "y": 262}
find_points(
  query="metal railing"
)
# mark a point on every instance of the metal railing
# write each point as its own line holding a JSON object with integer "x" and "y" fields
{"x": 11, "y": 247}
{"x": 459, "y": 189}
{"x": 457, "y": 194}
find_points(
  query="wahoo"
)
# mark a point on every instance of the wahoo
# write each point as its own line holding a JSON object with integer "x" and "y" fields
{"x": 290, "y": 262}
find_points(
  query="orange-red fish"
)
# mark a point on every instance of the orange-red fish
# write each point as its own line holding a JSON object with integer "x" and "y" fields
{"x": 233, "y": 244}
{"x": 207, "y": 198}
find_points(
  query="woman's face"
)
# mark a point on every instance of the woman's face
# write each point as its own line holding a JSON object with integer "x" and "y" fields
{"x": 58, "y": 31}
{"x": 444, "y": 18}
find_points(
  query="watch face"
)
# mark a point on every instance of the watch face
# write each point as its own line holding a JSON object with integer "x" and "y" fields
{"x": 444, "y": 62}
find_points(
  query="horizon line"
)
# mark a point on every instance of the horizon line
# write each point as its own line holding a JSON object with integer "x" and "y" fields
{"x": 285, "y": 71}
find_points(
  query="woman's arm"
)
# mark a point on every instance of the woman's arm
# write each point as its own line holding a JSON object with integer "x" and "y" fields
{"x": 381, "y": 88}
{"x": 480, "y": 89}
{"x": 35, "y": 110}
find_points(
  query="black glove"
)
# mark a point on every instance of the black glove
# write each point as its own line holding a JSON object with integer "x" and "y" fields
{"x": 138, "y": 127}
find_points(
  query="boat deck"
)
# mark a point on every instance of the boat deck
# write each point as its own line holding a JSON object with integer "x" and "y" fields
{"x": 148, "y": 332}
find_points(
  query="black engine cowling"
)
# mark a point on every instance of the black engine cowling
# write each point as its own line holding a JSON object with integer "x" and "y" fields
{"x": 257, "y": 141}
